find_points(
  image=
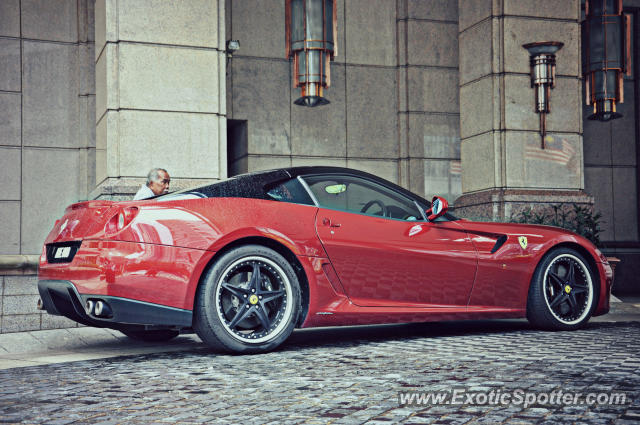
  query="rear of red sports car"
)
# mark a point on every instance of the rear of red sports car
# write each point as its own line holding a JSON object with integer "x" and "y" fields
{"x": 91, "y": 272}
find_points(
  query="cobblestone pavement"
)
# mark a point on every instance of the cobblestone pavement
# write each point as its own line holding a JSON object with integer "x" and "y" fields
{"x": 344, "y": 376}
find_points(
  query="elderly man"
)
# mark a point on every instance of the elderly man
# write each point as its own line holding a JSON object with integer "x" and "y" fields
{"x": 157, "y": 184}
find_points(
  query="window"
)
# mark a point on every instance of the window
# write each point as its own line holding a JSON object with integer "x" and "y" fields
{"x": 358, "y": 195}
{"x": 290, "y": 191}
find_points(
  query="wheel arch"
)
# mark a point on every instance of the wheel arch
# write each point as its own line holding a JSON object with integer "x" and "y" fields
{"x": 592, "y": 263}
{"x": 280, "y": 249}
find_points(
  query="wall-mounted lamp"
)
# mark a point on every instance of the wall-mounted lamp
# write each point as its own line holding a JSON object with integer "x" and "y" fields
{"x": 606, "y": 39}
{"x": 310, "y": 34}
{"x": 233, "y": 46}
{"x": 543, "y": 77}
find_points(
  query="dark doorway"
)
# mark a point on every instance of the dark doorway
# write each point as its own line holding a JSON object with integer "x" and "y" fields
{"x": 237, "y": 147}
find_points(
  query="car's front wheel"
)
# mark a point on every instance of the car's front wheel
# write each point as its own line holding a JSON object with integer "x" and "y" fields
{"x": 563, "y": 291}
{"x": 248, "y": 301}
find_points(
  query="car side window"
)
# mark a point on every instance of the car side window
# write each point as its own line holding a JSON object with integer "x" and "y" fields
{"x": 290, "y": 191}
{"x": 362, "y": 196}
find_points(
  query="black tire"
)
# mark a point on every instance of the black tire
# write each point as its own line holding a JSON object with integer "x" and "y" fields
{"x": 563, "y": 291}
{"x": 248, "y": 301}
{"x": 152, "y": 335}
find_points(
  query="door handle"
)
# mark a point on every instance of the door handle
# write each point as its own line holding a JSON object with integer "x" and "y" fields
{"x": 327, "y": 222}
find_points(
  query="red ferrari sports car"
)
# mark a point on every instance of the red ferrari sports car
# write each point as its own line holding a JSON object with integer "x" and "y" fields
{"x": 246, "y": 260}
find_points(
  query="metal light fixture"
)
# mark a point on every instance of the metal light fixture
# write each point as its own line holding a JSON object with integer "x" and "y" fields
{"x": 233, "y": 46}
{"x": 606, "y": 37}
{"x": 311, "y": 35}
{"x": 543, "y": 77}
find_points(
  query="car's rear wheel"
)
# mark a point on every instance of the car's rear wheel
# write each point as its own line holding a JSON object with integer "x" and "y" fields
{"x": 248, "y": 301}
{"x": 563, "y": 291}
{"x": 159, "y": 335}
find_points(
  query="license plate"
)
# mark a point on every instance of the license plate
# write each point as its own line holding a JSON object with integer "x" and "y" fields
{"x": 62, "y": 252}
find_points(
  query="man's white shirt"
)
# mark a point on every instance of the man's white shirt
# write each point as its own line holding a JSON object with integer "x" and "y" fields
{"x": 144, "y": 193}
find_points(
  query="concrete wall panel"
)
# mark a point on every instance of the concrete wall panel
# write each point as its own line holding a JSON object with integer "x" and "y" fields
{"x": 267, "y": 162}
{"x": 10, "y": 65}
{"x": 478, "y": 156}
{"x": 86, "y": 22}
{"x": 372, "y": 112}
{"x": 106, "y": 23}
{"x": 44, "y": 169}
{"x": 10, "y": 227}
{"x": 519, "y": 31}
{"x": 21, "y": 323}
{"x": 50, "y": 97}
{"x": 261, "y": 95}
{"x": 597, "y": 140}
{"x": 10, "y": 174}
{"x": 438, "y": 10}
{"x": 623, "y": 131}
{"x": 598, "y": 183}
{"x": 433, "y": 90}
{"x": 21, "y": 285}
{"x": 560, "y": 162}
{"x": 477, "y": 119}
{"x": 107, "y": 129}
{"x": 566, "y": 111}
{"x": 168, "y": 22}
{"x": 19, "y": 304}
{"x": 370, "y": 32}
{"x": 91, "y": 170}
{"x": 10, "y": 18}
{"x": 340, "y": 41}
{"x": 168, "y": 78}
{"x": 179, "y": 142}
{"x": 264, "y": 36}
{"x": 434, "y": 136}
{"x": 10, "y": 121}
{"x": 474, "y": 12}
{"x": 55, "y": 20}
{"x": 87, "y": 65}
{"x": 432, "y": 43}
{"x": 475, "y": 49}
{"x": 442, "y": 178}
{"x": 322, "y": 130}
{"x": 561, "y": 9}
{"x": 625, "y": 201}
{"x": 107, "y": 75}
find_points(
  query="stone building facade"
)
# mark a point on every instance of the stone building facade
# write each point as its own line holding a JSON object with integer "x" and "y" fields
{"x": 431, "y": 94}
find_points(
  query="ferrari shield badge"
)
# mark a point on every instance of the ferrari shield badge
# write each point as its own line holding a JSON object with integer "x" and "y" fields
{"x": 523, "y": 241}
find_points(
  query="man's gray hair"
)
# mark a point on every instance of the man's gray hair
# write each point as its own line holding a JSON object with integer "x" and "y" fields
{"x": 153, "y": 175}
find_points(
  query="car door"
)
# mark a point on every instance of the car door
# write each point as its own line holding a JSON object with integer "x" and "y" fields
{"x": 383, "y": 250}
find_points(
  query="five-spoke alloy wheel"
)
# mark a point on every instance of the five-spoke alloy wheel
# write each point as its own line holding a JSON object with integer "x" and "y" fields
{"x": 248, "y": 302}
{"x": 563, "y": 291}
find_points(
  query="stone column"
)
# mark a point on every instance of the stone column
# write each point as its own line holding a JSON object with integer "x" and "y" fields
{"x": 504, "y": 169}
{"x": 428, "y": 107}
{"x": 160, "y": 93}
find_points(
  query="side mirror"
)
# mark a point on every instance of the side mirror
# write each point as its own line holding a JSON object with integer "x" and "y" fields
{"x": 439, "y": 206}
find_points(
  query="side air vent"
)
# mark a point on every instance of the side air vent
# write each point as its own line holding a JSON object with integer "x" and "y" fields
{"x": 501, "y": 240}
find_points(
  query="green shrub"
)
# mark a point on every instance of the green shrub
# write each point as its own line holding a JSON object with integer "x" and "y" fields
{"x": 577, "y": 218}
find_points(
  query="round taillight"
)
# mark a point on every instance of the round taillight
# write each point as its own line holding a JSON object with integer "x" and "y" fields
{"x": 120, "y": 220}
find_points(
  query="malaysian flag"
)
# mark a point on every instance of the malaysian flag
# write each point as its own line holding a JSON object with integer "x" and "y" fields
{"x": 455, "y": 167}
{"x": 561, "y": 154}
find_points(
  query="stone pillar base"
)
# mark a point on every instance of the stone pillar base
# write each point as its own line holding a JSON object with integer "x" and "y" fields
{"x": 124, "y": 188}
{"x": 507, "y": 204}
